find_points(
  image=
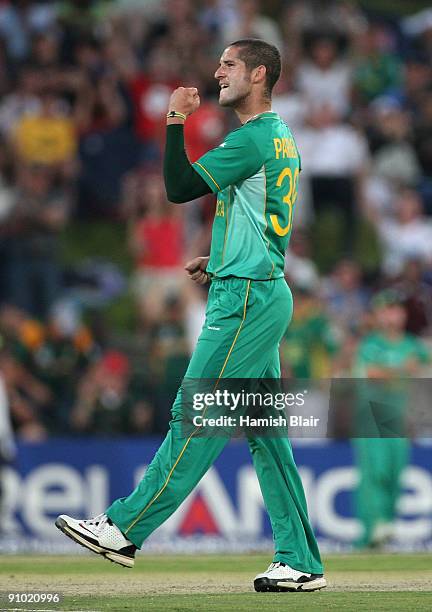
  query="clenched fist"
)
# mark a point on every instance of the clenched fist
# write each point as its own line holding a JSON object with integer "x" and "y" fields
{"x": 197, "y": 270}
{"x": 184, "y": 100}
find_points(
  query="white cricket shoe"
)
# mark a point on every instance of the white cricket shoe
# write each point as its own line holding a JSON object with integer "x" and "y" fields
{"x": 101, "y": 536}
{"x": 382, "y": 533}
{"x": 281, "y": 577}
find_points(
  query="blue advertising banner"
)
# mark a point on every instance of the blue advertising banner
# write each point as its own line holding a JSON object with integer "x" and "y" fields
{"x": 81, "y": 476}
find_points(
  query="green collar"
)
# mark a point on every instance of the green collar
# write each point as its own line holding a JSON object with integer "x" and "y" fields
{"x": 264, "y": 115}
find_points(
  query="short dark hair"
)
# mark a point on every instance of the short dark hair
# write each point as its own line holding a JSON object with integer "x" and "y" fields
{"x": 255, "y": 52}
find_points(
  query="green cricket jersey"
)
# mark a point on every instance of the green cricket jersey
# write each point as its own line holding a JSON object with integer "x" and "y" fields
{"x": 377, "y": 350}
{"x": 254, "y": 173}
{"x": 383, "y": 403}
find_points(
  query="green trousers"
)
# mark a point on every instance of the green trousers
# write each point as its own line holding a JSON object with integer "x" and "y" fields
{"x": 380, "y": 462}
{"x": 245, "y": 321}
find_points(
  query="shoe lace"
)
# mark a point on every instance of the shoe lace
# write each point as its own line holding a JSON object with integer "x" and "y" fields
{"x": 274, "y": 565}
{"x": 98, "y": 521}
{"x": 289, "y": 571}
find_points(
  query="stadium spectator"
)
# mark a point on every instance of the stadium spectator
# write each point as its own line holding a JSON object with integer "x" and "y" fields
{"x": 251, "y": 23}
{"x": 345, "y": 296}
{"x": 7, "y": 438}
{"x": 422, "y": 141}
{"x": 326, "y": 76}
{"x": 7, "y": 442}
{"x": 105, "y": 401}
{"x": 28, "y": 398}
{"x": 417, "y": 29}
{"x": 176, "y": 34}
{"x": 7, "y": 201}
{"x": 215, "y": 16}
{"x": 45, "y": 51}
{"x": 299, "y": 267}
{"x": 344, "y": 19}
{"x": 150, "y": 91}
{"x": 288, "y": 101}
{"x": 31, "y": 231}
{"x": 58, "y": 357}
{"x": 79, "y": 19}
{"x": 337, "y": 160}
{"x": 394, "y": 158}
{"x": 169, "y": 357}
{"x": 311, "y": 339}
{"x": 99, "y": 106}
{"x": 417, "y": 297}
{"x": 378, "y": 70}
{"x": 47, "y": 136}
{"x": 108, "y": 148}
{"x": 21, "y": 19}
{"x": 416, "y": 82}
{"x": 205, "y": 131}
{"x": 156, "y": 243}
{"x": 405, "y": 235}
{"x": 22, "y": 100}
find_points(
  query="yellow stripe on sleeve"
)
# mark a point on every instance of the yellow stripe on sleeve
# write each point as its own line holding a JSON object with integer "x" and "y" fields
{"x": 207, "y": 172}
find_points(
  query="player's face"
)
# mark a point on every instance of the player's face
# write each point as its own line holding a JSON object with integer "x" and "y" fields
{"x": 392, "y": 317}
{"x": 234, "y": 78}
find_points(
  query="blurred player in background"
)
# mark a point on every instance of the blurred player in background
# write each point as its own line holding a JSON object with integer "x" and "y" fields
{"x": 387, "y": 356}
{"x": 254, "y": 173}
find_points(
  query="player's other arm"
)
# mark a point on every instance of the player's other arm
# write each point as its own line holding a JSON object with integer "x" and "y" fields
{"x": 182, "y": 182}
{"x": 196, "y": 268}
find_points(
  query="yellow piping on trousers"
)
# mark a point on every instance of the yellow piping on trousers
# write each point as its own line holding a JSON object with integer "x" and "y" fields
{"x": 195, "y": 430}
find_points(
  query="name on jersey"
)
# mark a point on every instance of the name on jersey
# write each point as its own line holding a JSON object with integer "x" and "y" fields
{"x": 284, "y": 147}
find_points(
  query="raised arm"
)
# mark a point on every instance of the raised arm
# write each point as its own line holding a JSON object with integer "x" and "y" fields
{"x": 182, "y": 182}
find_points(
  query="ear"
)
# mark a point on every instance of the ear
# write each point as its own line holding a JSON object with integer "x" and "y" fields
{"x": 258, "y": 74}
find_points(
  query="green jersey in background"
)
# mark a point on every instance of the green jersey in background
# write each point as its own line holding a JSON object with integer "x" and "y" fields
{"x": 254, "y": 173}
{"x": 380, "y": 398}
{"x": 381, "y": 409}
{"x": 377, "y": 350}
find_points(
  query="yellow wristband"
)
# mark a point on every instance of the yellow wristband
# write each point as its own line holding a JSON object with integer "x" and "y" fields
{"x": 174, "y": 113}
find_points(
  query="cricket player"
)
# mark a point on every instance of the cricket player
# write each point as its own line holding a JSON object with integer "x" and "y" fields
{"x": 254, "y": 174}
{"x": 387, "y": 357}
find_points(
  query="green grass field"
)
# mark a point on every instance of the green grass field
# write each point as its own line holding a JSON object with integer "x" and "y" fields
{"x": 355, "y": 582}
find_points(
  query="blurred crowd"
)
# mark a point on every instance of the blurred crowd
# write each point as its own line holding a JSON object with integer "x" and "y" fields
{"x": 84, "y": 89}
